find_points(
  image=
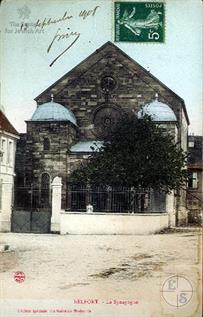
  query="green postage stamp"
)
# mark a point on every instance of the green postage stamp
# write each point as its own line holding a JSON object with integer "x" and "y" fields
{"x": 141, "y": 22}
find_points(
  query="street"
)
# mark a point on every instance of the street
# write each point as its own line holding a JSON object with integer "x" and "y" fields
{"x": 99, "y": 275}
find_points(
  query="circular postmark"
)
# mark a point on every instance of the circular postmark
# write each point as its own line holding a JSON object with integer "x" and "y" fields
{"x": 177, "y": 291}
{"x": 19, "y": 277}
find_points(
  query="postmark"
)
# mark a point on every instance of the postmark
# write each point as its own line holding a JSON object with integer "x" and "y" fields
{"x": 141, "y": 22}
{"x": 177, "y": 291}
{"x": 24, "y": 12}
{"x": 19, "y": 277}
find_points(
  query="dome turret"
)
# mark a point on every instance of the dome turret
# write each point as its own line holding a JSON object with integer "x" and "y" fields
{"x": 52, "y": 111}
{"x": 159, "y": 111}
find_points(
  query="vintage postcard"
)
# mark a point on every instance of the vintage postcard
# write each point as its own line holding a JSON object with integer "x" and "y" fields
{"x": 101, "y": 169}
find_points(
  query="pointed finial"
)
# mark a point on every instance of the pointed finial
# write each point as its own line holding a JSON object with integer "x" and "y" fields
{"x": 156, "y": 96}
{"x": 52, "y": 97}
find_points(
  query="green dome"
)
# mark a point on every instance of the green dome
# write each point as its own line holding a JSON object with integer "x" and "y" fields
{"x": 52, "y": 111}
{"x": 159, "y": 112}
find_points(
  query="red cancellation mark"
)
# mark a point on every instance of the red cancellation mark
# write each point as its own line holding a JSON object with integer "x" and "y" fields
{"x": 19, "y": 277}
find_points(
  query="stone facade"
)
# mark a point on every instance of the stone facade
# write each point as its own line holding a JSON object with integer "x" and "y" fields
{"x": 105, "y": 85}
{"x": 61, "y": 136}
{"x": 80, "y": 89}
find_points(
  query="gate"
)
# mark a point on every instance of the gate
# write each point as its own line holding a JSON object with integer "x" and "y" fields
{"x": 32, "y": 210}
{"x": 30, "y": 221}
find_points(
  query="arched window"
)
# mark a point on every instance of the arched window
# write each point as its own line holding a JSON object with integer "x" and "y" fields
{"x": 45, "y": 190}
{"x": 46, "y": 144}
{"x": 45, "y": 181}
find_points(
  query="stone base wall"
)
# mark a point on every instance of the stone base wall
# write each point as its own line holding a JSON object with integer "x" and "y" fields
{"x": 107, "y": 224}
{"x": 5, "y": 225}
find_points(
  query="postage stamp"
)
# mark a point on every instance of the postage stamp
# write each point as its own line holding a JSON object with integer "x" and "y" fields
{"x": 141, "y": 22}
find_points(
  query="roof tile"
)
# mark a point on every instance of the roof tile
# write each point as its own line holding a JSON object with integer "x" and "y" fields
{"x": 5, "y": 125}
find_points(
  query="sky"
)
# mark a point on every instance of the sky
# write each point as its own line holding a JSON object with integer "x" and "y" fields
{"x": 25, "y": 60}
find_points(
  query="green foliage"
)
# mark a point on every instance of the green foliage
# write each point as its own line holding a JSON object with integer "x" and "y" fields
{"x": 137, "y": 153}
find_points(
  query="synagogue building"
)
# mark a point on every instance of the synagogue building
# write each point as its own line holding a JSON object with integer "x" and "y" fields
{"x": 75, "y": 112}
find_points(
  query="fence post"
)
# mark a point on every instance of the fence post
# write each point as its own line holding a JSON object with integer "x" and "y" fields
{"x": 170, "y": 208}
{"x": 56, "y": 204}
{"x": 68, "y": 196}
{"x": 88, "y": 195}
{"x": 132, "y": 199}
{"x": 109, "y": 198}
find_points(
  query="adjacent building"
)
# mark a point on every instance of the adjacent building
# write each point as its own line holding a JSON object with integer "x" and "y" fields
{"x": 195, "y": 183}
{"x": 8, "y": 138}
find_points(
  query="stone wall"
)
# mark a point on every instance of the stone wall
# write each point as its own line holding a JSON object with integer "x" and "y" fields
{"x": 84, "y": 223}
{"x": 80, "y": 90}
{"x": 53, "y": 161}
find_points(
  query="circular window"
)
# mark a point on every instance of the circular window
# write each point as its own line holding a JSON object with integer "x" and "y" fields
{"x": 108, "y": 84}
{"x": 105, "y": 120}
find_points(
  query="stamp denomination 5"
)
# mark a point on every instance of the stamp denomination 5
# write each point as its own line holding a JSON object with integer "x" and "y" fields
{"x": 139, "y": 22}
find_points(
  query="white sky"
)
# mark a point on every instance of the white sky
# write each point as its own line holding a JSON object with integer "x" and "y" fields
{"x": 25, "y": 70}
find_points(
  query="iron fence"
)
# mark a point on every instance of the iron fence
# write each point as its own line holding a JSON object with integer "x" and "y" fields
{"x": 109, "y": 199}
{"x": 118, "y": 200}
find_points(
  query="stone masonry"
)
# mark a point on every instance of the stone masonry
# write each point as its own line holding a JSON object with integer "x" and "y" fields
{"x": 80, "y": 90}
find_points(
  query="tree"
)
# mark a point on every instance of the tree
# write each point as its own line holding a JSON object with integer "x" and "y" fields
{"x": 137, "y": 153}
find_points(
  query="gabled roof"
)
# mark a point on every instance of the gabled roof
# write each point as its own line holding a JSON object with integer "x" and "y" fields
{"x": 92, "y": 59}
{"x": 5, "y": 125}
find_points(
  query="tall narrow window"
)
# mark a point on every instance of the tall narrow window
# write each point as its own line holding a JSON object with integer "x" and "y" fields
{"x": 45, "y": 190}
{"x": 191, "y": 144}
{"x": 46, "y": 144}
{"x": 10, "y": 153}
{"x": 193, "y": 180}
{"x": 3, "y": 151}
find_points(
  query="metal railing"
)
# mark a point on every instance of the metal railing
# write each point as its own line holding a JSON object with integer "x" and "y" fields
{"x": 109, "y": 199}
{"x": 74, "y": 198}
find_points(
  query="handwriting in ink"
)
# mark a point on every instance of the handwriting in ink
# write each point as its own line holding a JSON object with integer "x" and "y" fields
{"x": 62, "y": 36}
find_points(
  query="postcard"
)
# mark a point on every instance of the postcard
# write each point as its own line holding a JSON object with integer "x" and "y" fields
{"x": 70, "y": 71}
